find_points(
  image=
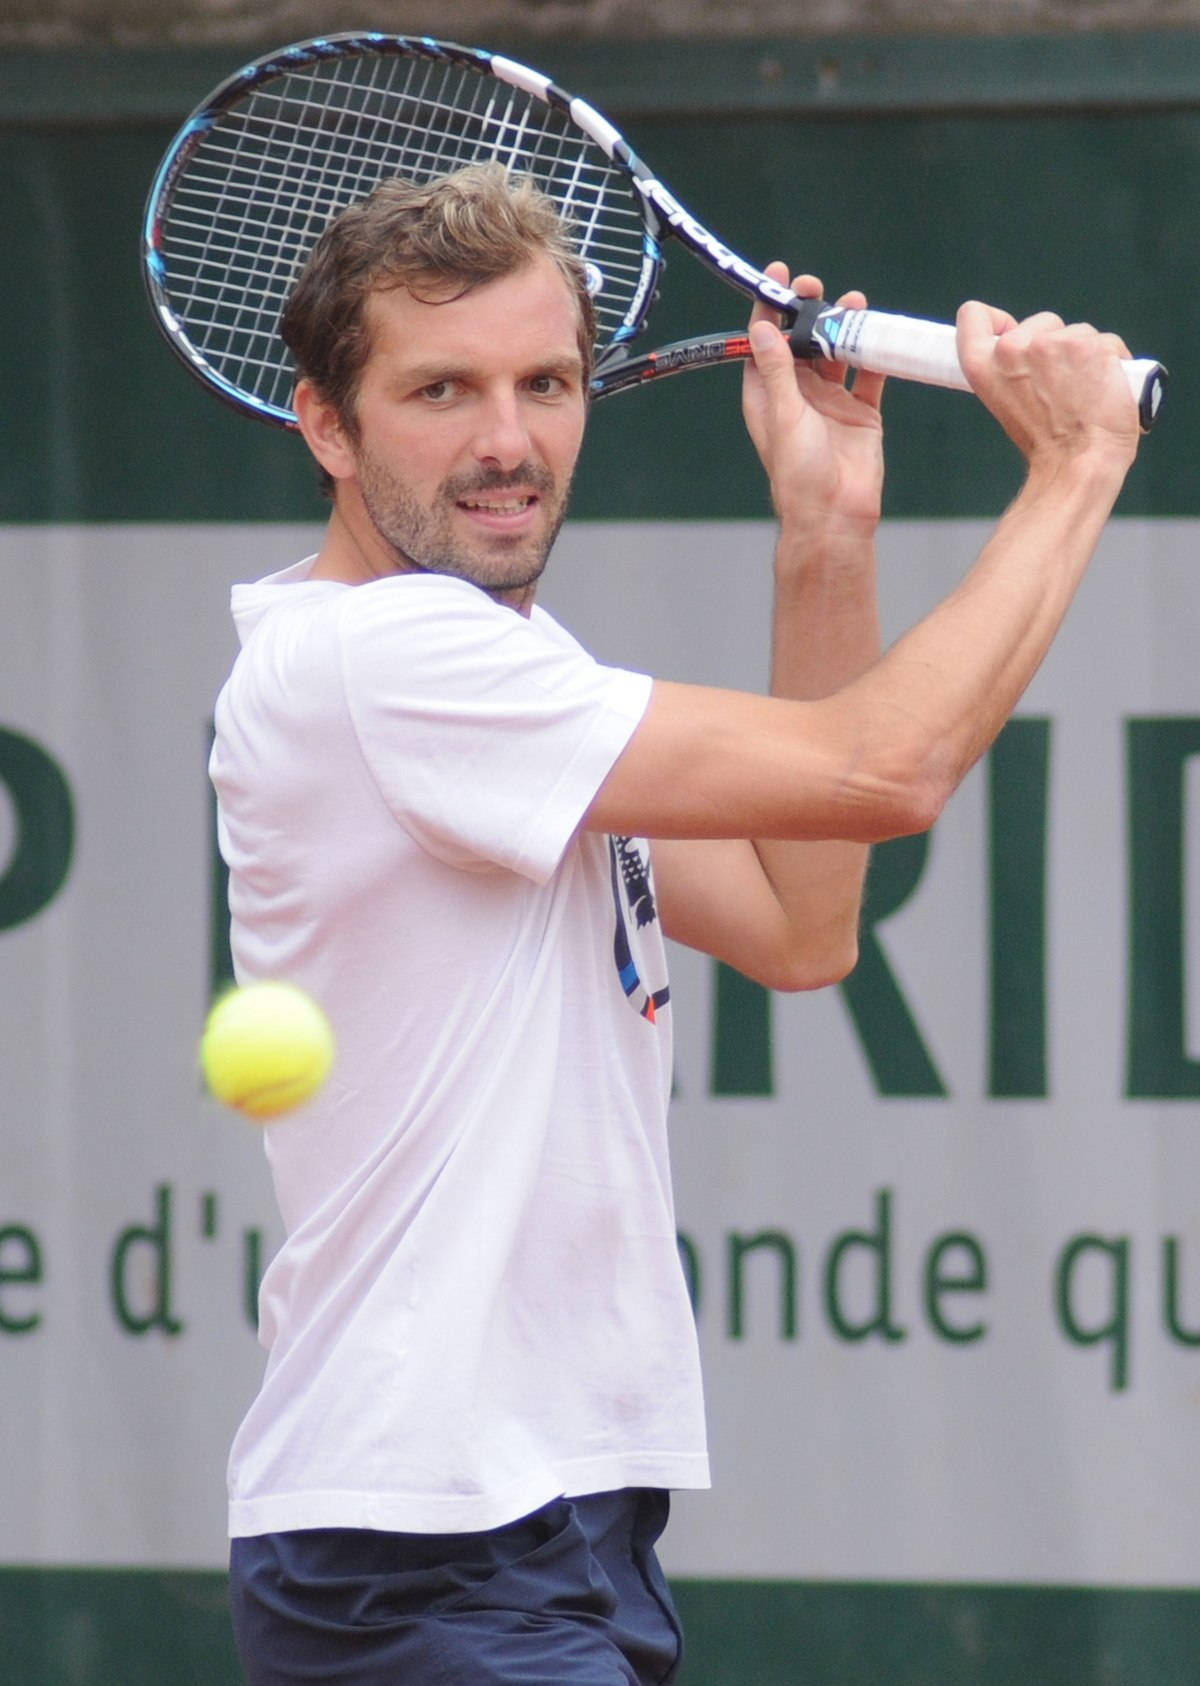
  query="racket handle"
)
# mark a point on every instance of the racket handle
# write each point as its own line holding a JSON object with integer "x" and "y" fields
{"x": 917, "y": 350}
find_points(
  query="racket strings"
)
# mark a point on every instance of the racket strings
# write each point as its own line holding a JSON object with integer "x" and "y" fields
{"x": 274, "y": 169}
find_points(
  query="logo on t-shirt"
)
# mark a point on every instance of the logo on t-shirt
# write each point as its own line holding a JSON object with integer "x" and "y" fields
{"x": 637, "y": 944}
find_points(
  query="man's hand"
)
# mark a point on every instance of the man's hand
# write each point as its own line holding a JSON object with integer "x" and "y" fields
{"x": 820, "y": 442}
{"x": 1055, "y": 388}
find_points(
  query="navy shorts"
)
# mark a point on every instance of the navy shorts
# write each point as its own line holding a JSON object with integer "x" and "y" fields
{"x": 572, "y": 1595}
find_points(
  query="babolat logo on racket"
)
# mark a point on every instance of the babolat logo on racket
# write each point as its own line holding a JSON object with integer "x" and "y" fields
{"x": 827, "y": 331}
{"x": 684, "y": 224}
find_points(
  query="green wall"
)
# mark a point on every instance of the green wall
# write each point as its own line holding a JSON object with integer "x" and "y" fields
{"x": 103, "y": 1628}
{"x": 1089, "y": 211}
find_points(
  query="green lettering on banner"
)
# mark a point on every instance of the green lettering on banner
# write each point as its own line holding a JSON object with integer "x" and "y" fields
{"x": 25, "y": 1270}
{"x": 742, "y": 1062}
{"x": 148, "y": 1247}
{"x": 45, "y": 829}
{"x": 782, "y": 1247}
{"x": 689, "y": 1258}
{"x": 1018, "y": 768}
{"x": 1171, "y": 1315}
{"x": 1018, "y": 774}
{"x": 939, "y": 1281}
{"x": 877, "y": 1244}
{"x": 891, "y": 1041}
{"x": 1113, "y": 1256}
{"x": 1157, "y": 1065}
{"x": 252, "y": 1245}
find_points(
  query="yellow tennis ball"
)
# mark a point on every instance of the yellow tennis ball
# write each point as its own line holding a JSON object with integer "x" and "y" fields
{"x": 266, "y": 1048}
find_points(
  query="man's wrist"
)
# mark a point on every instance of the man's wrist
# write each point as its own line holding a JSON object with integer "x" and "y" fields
{"x": 805, "y": 546}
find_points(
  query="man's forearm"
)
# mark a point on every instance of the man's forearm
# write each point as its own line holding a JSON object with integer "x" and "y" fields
{"x": 825, "y": 634}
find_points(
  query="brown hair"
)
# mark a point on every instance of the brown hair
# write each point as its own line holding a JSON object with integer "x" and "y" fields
{"x": 439, "y": 239}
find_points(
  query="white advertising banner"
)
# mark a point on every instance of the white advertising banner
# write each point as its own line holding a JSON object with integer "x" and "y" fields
{"x": 942, "y": 1224}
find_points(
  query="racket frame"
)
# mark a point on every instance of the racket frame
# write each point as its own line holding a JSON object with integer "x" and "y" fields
{"x": 301, "y": 55}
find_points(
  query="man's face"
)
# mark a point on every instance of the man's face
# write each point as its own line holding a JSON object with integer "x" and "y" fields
{"x": 469, "y": 420}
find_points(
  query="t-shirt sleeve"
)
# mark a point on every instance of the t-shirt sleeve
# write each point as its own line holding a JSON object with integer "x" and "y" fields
{"x": 487, "y": 734}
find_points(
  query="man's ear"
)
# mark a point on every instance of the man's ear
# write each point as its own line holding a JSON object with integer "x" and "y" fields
{"x": 323, "y": 430}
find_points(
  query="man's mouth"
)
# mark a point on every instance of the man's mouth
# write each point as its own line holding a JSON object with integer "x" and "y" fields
{"x": 497, "y": 506}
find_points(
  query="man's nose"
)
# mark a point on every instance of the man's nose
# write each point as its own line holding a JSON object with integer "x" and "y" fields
{"x": 502, "y": 436}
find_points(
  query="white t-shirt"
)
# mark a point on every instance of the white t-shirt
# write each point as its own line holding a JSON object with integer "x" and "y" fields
{"x": 479, "y": 1303}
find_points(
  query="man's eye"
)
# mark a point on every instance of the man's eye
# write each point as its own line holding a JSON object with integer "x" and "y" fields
{"x": 546, "y": 385}
{"x": 438, "y": 391}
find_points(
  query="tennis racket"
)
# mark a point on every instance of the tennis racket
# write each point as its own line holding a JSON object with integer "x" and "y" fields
{"x": 276, "y": 151}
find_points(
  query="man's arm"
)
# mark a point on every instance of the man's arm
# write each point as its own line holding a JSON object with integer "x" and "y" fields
{"x": 769, "y": 904}
{"x": 881, "y": 755}
{"x": 773, "y": 903}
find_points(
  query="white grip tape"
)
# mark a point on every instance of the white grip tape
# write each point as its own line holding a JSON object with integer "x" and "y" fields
{"x": 900, "y": 345}
{"x": 916, "y": 350}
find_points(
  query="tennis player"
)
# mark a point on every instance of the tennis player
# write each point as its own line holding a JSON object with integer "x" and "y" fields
{"x": 482, "y": 1379}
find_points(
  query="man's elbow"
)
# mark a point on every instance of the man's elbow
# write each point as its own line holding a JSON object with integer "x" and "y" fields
{"x": 908, "y": 799}
{"x": 811, "y": 965}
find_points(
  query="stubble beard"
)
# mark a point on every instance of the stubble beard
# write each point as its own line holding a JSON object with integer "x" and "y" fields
{"x": 423, "y": 537}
